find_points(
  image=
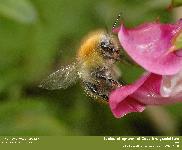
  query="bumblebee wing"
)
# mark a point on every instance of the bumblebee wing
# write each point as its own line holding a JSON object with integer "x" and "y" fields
{"x": 62, "y": 78}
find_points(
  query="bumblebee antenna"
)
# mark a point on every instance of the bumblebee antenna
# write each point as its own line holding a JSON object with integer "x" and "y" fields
{"x": 117, "y": 19}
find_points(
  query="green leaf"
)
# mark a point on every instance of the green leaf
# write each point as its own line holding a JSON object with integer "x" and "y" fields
{"x": 19, "y": 10}
{"x": 176, "y": 3}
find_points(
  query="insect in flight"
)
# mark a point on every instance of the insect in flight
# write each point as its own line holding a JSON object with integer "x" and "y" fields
{"x": 93, "y": 66}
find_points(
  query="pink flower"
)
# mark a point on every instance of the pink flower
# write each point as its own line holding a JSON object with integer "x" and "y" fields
{"x": 151, "y": 45}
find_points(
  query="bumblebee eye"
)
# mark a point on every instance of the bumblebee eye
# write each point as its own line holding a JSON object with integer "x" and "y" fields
{"x": 107, "y": 47}
{"x": 103, "y": 45}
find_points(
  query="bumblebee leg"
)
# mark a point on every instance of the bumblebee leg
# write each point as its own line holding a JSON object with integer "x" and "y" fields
{"x": 113, "y": 82}
{"x": 106, "y": 76}
{"x": 93, "y": 89}
{"x": 116, "y": 83}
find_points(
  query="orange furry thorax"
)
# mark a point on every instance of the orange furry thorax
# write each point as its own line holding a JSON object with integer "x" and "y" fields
{"x": 89, "y": 46}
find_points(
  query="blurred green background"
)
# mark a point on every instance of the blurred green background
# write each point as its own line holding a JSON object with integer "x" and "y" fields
{"x": 37, "y": 37}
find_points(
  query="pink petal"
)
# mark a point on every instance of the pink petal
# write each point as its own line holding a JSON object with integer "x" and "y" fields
{"x": 148, "y": 45}
{"x": 134, "y": 97}
{"x": 126, "y": 106}
{"x": 149, "y": 93}
{"x": 120, "y": 102}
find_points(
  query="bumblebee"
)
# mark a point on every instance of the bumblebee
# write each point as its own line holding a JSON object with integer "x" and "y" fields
{"x": 94, "y": 64}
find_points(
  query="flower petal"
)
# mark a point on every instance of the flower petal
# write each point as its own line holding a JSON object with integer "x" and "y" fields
{"x": 134, "y": 97}
{"x": 148, "y": 45}
{"x": 127, "y": 106}
{"x": 149, "y": 92}
{"x": 120, "y": 102}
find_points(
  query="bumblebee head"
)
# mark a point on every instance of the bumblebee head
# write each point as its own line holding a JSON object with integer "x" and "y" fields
{"x": 99, "y": 44}
{"x": 109, "y": 47}
{"x": 109, "y": 44}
